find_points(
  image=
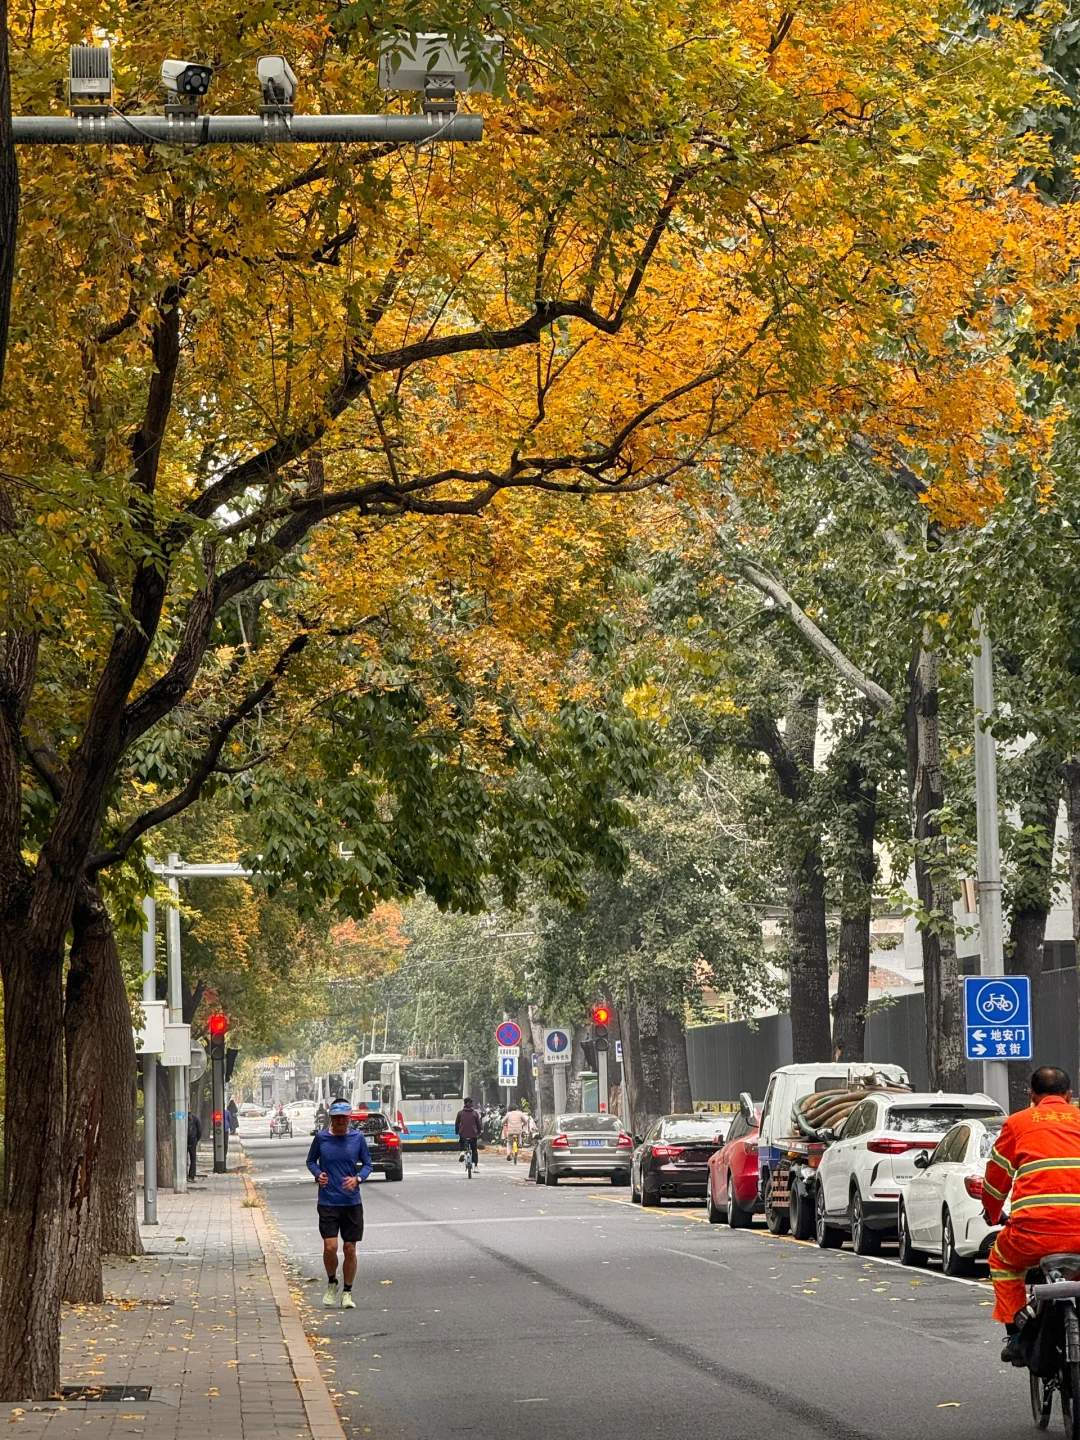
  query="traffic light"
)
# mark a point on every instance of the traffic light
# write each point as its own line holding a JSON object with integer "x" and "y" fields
{"x": 600, "y": 1017}
{"x": 218, "y": 1025}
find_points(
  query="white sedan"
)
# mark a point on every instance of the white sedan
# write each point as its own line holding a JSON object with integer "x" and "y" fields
{"x": 941, "y": 1209}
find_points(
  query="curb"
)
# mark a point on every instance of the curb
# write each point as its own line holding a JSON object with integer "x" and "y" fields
{"x": 322, "y": 1416}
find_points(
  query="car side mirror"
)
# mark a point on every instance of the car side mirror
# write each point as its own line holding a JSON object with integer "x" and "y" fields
{"x": 639, "y": 1140}
{"x": 828, "y": 1135}
{"x": 922, "y": 1160}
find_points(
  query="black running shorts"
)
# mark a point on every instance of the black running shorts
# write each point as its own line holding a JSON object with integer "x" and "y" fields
{"x": 348, "y": 1219}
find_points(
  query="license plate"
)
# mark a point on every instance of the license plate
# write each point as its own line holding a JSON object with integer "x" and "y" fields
{"x": 592, "y": 1142}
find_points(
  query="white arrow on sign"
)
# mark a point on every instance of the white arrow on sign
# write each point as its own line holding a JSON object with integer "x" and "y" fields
{"x": 978, "y": 1049}
{"x": 978, "y": 1034}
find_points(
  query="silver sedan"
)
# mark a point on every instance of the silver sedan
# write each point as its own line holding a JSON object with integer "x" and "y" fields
{"x": 594, "y": 1147}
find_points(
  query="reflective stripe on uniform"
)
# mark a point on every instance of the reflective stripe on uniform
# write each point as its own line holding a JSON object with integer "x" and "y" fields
{"x": 1063, "y": 1162}
{"x": 997, "y": 1194}
{"x": 1007, "y": 1274}
{"x": 996, "y": 1158}
{"x": 1031, "y": 1201}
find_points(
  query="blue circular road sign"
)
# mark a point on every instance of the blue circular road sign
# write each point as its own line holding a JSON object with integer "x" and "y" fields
{"x": 557, "y": 1041}
{"x": 997, "y": 1002}
{"x": 508, "y": 1033}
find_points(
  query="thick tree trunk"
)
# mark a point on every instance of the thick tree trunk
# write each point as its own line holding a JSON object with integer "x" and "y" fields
{"x": 1071, "y": 772}
{"x": 9, "y": 191}
{"x": 676, "y": 1066}
{"x": 648, "y": 1027}
{"x": 811, "y": 1037}
{"x": 633, "y": 1078}
{"x": 117, "y": 1163}
{"x": 857, "y": 893}
{"x": 1032, "y": 892}
{"x": 944, "y": 1012}
{"x": 80, "y": 1248}
{"x": 33, "y": 1138}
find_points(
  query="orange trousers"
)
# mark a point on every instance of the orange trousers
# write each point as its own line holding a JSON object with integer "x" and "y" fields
{"x": 1016, "y": 1250}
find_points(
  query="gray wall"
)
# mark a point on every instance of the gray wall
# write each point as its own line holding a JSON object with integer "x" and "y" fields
{"x": 727, "y": 1059}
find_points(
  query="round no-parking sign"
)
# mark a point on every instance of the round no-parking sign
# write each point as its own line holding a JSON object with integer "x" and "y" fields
{"x": 508, "y": 1033}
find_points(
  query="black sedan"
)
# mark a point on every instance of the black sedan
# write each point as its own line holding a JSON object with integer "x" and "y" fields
{"x": 672, "y": 1162}
{"x": 383, "y": 1141}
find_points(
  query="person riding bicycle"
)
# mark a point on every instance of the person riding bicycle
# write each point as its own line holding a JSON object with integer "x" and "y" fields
{"x": 467, "y": 1127}
{"x": 1035, "y": 1162}
{"x": 514, "y": 1127}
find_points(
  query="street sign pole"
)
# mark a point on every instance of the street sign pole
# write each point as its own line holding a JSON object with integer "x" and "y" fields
{"x": 176, "y": 1016}
{"x": 991, "y": 936}
{"x": 559, "y": 1078}
{"x": 149, "y": 965}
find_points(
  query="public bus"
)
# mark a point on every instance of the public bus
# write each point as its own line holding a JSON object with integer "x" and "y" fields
{"x": 421, "y": 1098}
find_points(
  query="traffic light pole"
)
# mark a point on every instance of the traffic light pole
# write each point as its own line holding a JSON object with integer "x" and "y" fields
{"x": 217, "y": 1101}
{"x": 602, "y": 1079}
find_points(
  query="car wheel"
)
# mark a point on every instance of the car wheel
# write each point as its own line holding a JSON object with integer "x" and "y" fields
{"x": 712, "y": 1213}
{"x": 536, "y": 1172}
{"x": 737, "y": 1217}
{"x": 864, "y": 1241}
{"x": 829, "y": 1237}
{"x": 398, "y": 1174}
{"x": 800, "y": 1214}
{"x": 532, "y": 1167}
{"x": 550, "y": 1178}
{"x": 907, "y": 1251}
{"x": 649, "y": 1196}
{"x": 951, "y": 1262}
{"x": 621, "y": 1177}
{"x": 776, "y": 1220}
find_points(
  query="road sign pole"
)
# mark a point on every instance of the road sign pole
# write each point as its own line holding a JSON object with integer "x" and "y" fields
{"x": 559, "y": 1079}
{"x": 176, "y": 1015}
{"x": 149, "y": 961}
{"x": 991, "y": 935}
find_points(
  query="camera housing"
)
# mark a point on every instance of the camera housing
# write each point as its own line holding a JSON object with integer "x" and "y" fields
{"x": 90, "y": 82}
{"x": 430, "y": 64}
{"x": 187, "y": 80}
{"x": 277, "y": 82}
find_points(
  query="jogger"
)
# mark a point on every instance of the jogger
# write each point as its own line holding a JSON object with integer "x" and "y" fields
{"x": 340, "y": 1161}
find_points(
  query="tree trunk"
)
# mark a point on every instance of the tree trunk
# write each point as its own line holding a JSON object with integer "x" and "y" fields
{"x": 648, "y": 1028}
{"x": 9, "y": 191}
{"x": 1032, "y": 891}
{"x": 857, "y": 895}
{"x": 164, "y": 1129}
{"x": 676, "y": 1065}
{"x": 811, "y": 1038}
{"x": 633, "y": 1078}
{"x": 545, "y": 1083}
{"x": 33, "y": 1138}
{"x": 944, "y": 1012}
{"x": 577, "y": 1065}
{"x": 1071, "y": 771}
{"x": 117, "y": 1161}
{"x": 80, "y": 1249}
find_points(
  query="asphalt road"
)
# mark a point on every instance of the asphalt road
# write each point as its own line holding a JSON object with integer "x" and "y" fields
{"x": 496, "y": 1308}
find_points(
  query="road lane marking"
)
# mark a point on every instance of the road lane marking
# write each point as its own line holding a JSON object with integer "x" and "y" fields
{"x": 689, "y": 1255}
{"x": 983, "y": 1285}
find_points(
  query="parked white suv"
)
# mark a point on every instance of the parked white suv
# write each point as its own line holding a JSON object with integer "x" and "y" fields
{"x": 941, "y": 1210}
{"x": 862, "y": 1172}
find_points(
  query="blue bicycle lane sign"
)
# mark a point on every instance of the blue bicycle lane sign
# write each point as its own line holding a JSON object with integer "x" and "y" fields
{"x": 997, "y": 1017}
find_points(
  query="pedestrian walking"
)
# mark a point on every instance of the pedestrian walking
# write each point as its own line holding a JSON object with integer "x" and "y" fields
{"x": 228, "y": 1125}
{"x": 194, "y": 1135}
{"x": 340, "y": 1160}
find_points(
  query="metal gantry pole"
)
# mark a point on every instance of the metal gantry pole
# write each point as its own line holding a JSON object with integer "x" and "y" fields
{"x": 149, "y": 965}
{"x": 991, "y": 934}
{"x": 270, "y": 129}
{"x": 176, "y": 1016}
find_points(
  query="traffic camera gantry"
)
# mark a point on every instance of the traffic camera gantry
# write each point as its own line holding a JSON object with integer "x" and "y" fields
{"x": 426, "y": 63}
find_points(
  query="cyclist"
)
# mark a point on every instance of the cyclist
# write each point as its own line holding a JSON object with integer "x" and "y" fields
{"x": 340, "y": 1160}
{"x": 467, "y": 1127}
{"x": 514, "y": 1126}
{"x": 1036, "y": 1163}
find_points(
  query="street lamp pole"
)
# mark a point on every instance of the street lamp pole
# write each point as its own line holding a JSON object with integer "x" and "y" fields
{"x": 991, "y": 933}
{"x": 176, "y": 1017}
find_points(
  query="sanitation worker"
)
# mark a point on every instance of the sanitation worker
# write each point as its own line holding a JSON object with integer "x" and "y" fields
{"x": 1036, "y": 1163}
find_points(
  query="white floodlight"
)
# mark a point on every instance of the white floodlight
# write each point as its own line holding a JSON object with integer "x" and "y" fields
{"x": 186, "y": 79}
{"x": 90, "y": 77}
{"x": 277, "y": 81}
{"x": 431, "y": 65}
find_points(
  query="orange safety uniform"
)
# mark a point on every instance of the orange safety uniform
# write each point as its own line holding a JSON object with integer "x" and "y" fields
{"x": 1036, "y": 1162}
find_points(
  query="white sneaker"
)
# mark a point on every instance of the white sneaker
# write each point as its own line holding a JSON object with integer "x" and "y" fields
{"x": 347, "y": 1302}
{"x": 330, "y": 1299}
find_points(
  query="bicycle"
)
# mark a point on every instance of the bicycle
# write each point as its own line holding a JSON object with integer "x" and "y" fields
{"x": 1059, "y": 1336}
{"x": 514, "y": 1141}
{"x": 467, "y": 1150}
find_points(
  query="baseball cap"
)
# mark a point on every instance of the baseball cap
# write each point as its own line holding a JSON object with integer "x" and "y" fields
{"x": 341, "y": 1107}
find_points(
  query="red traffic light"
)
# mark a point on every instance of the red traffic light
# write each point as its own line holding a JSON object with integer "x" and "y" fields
{"x": 600, "y": 1014}
{"x": 218, "y": 1025}
{"x": 218, "y": 1117}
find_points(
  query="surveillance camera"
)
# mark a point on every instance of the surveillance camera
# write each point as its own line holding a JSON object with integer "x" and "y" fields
{"x": 185, "y": 78}
{"x": 277, "y": 80}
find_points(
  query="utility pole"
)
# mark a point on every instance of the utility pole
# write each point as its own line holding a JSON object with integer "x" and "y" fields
{"x": 149, "y": 965}
{"x": 991, "y": 934}
{"x": 176, "y": 1017}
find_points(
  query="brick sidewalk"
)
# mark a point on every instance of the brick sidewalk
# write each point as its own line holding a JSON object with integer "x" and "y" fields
{"x": 205, "y": 1319}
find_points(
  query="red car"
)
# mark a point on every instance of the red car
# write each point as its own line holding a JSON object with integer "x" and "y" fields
{"x": 733, "y": 1170}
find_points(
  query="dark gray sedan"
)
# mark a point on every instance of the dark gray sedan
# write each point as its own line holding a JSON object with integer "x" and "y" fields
{"x": 592, "y": 1147}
